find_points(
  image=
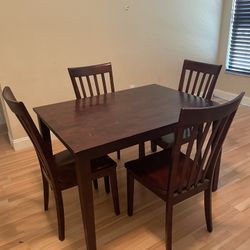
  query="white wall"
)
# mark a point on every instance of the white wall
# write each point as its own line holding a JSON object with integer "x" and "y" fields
{"x": 145, "y": 40}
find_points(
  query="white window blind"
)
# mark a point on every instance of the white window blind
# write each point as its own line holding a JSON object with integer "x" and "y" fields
{"x": 238, "y": 57}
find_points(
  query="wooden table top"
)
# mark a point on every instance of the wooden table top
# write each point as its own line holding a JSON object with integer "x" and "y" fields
{"x": 86, "y": 124}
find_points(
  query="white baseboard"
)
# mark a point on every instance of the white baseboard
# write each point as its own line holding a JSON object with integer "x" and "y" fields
{"x": 21, "y": 143}
{"x": 24, "y": 142}
{"x": 229, "y": 96}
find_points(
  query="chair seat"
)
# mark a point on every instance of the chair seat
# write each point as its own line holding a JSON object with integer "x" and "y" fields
{"x": 153, "y": 170}
{"x": 65, "y": 165}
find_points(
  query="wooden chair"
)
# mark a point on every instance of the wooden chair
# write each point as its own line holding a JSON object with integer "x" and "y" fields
{"x": 58, "y": 171}
{"x": 92, "y": 80}
{"x": 177, "y": 173}
{"x": 199, "y": 79}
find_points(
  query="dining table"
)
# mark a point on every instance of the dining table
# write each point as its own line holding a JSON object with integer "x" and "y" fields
{"x": 95, "y": 126}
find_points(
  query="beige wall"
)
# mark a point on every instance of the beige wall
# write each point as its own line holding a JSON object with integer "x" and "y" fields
{"x": 145, "y": 40}
{"x": 229, "y": 82}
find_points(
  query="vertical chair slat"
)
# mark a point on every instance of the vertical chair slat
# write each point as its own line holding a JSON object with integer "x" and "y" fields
{"x": 75, "y": 87}
{"x": 189, "y": 80}
{"x": 199, "y": 136}
{"x": 219, "y": 131}
{"x": 206, "y": 151}
{"x": 195, "y": 83}
{"x": 104, "y": 84}
{"x": 201, "y": 84}
{"x": 198, "y": 154}
{"x": 188, "y": 154}
{"x": 82, "y": 87}
{"x": 111, "y": 82}
{"x": 182, "y": 79}
{"x": 96, "y": 85}
{"x": 206, "y": 86}
{"x": 89, "y": 85}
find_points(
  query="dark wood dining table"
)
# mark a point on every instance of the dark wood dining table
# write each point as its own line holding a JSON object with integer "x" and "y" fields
{"x": 99, "y": 125}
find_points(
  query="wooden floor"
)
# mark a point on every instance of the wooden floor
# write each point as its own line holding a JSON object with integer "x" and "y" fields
{"x": 24, "y": 224}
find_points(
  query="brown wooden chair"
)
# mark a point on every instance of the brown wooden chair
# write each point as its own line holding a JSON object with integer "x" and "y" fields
{"x": 92, "y": 80}
{"x": 58, "y": 171}
{"x": 199, "y": 79}
{"x": 182, "y": 171}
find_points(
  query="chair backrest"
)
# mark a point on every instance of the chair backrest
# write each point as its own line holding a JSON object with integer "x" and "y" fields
{"x": 92, "y": 80}
{"x": 19, "y": 109}
{"x": 198, "y": 78}
{"x": 208, "y": 129}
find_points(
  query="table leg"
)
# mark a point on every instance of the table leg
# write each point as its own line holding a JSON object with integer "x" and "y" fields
{"x": 141, "y": 150}
{"x": 45, "y": 133}
{"x": 83, "y": 172}
{"x": 216, "y": 172}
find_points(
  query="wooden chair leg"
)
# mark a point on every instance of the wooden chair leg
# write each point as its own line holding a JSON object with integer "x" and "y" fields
{"x": 106, "y": 182}
{"x": 168, "y": 226}
{"x": 45, "y": 193}
{"x": 141, "y": 150}
{"x": 95, "y": 182}
{"x": 208, "y": 209}
{"x": 60, "y": 214}
{"x": 130, "y": 193}
{"x": 114, "y": 190}
{"x": 153, "y": 146}
{"x": 118, "y": 154}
